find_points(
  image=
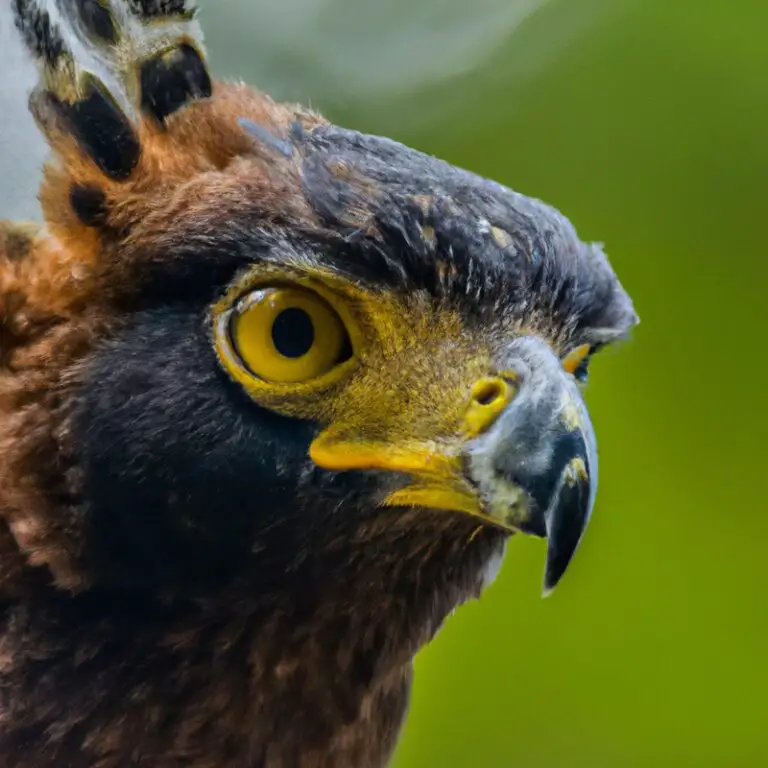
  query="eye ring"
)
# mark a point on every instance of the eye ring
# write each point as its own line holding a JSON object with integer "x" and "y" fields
{"x": 287, "y": 335}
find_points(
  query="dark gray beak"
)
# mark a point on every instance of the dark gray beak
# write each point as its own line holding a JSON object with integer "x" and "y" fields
{"x": 561, "y": 502}
{"x": 536, "y": 468}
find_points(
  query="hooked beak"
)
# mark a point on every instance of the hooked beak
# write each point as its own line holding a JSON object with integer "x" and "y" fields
{"x": 557, "y": 501}
{"x": 535, "y": 468}
{"x": 530, "y": 464}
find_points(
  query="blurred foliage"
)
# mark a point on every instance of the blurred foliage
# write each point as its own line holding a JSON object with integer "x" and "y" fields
{"x": 645, "y": 122}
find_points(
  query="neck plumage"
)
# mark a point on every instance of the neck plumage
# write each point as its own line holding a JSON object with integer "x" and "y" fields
{"x": 318, "y": 677}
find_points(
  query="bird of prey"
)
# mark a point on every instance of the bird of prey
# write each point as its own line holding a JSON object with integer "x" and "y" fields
{"x": 273, "y": 396}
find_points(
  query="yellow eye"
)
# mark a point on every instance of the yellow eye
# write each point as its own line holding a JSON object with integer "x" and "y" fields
{"x": 288, "y": 334}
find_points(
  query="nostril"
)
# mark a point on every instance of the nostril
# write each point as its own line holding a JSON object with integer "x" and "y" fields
{"x": 488, "y": 391}
{"x": 487, "y": 399}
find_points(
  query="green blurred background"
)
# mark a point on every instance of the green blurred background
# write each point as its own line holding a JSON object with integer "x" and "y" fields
{"x": 646, "y": 122}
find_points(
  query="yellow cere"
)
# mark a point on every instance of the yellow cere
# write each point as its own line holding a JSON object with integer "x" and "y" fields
{"x": 488, "y": 397}
{"x": 423, "y": 459}
{"x": 436, "y": 496}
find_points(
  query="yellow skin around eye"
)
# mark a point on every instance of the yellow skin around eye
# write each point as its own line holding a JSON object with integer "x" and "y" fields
{"x": 419, "y": 383}
{"x": 252, "y": 334}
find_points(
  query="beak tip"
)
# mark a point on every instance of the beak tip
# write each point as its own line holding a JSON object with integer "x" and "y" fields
{"x": 555, "y": 571}
{"x": 566, "y": 524}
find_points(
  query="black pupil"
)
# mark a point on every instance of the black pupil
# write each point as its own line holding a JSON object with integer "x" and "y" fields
{"x": 293, "y": 333}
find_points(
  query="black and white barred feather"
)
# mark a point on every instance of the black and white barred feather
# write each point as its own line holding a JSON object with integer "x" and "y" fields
{"x": 105, "y": 63}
